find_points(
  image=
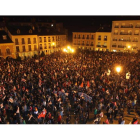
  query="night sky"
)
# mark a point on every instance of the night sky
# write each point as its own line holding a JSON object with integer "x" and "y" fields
{"x": 76, "y": 23}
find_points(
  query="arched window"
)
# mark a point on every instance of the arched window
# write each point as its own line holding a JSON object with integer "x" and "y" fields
{"x": 18, "y": 31}
{"x": 8, "y": 51}
{"x": 30, "y": 31}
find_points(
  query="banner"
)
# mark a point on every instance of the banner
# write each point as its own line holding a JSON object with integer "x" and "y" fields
{"x": 86, "y": 97}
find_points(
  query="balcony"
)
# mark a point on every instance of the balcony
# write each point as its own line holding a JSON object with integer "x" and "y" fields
{"x": 24, "y": 50}
{"x": 45, "y": 40}
{"x": 87, "y": 38}
{"x": 135, "y": 41}
{"x": 91, "y": 45}
{"x": 127, "y": 26}
{"x": 105, "y": 39}
{"x": 8, "y": 53}
{"x": 98, "y": 45}
{"x": 114, "y": 46}
{"x": 114, "y": 39}
{"x": 104, "y": 46}
{"x": 99, "y": 38}
{"x": 115, "y": 33}
{"x": 122, "y": 33}
{"x": 16, "y": 43}
{"x": 35, "y": 49}
{"x": 137, "y": 26}
{"x": 92, "y": 38}
{"x": 125, "y": 40}
{"x": 116, "y": 27}
{"x": 74, "y": 37}
{"x": 83, "y": 37}
{"x": 136, "y": 34}
{"x": 120, "y": 46}
{"x": 134, "y": 47}
{"x": 83, "y": 44}
{"x": 49, "y": 40}
{"x": 79, "y": 38}
{"x": 87, "y": 44}
{"x": 29, "y": 42}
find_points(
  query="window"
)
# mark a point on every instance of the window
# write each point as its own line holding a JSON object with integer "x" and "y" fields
{"x": 91, "y": 36}
{"x": 18, "y": 31}
{"x": 99, "y": 37}
{"x": 34, "y": 40}
{"x": 17, "y": 48}
{"x": 35, "y": 47}
{"x": 52, "y": 38}
{"x": 0, "y": 52}
{"x": 49, "y": 45}
{"x": 79, "y": 37}
{"x": 30, "y": 31}
{"x": 45, "y": 47}
{"x": 40, "y": 39}
{"x": 23, "y": 41}
{"x": 44, "y": 39}
{"x": 29, "y": 41}
{"x": 87, "y": 36}
{"x": 16, "y": 41}
{"x": 40, "y": 47}
{"x": 83, "y": 37}
{"x": 7, "y": 51}
{"x": 29, "y": 47}
{"x": 75, "y": 36}
{"x": 136, "y": 32}
{"x": 23, "y": 48}
{"x": 105, "y": 38}
{"x": 49, "y": 40}
{"x": 4, "y": 37}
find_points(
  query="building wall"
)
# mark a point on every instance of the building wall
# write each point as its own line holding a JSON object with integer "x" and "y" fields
{"x": 124, "y": 34}
{"x": 50, "y": 44}
{"x": 102, "y": 41}
{"x": 27, "y": 52}
{"x": 83, "y": 40}
{"x": 3, "y": 52}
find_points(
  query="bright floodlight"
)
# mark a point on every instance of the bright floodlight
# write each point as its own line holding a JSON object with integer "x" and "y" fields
{"x": 118, "y": 69}
{"x": 129, "y": 47}
{"x": 53, "y": 43}
{"x": 64, "y": 50}
{"x": 68, "y": 47}
{"x": 72, "y": 50}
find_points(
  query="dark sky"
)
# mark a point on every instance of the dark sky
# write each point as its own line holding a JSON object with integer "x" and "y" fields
{"x": 76, "y": 23}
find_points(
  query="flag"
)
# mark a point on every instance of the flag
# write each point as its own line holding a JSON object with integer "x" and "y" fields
{"x": 81, "y": 84}
{"x": 107, "y": 122}
{"x": 88, "y": 84}
{"x": 42, "y": 114}
{"x": 136, "y": 122}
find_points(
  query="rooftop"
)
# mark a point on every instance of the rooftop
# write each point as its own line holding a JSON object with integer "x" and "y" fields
{"x": 4, "y": 38}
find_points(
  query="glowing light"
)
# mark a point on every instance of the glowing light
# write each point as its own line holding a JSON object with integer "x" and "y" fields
{"x": 129, "y": 47}
{"x": 53, "y": 43}
{"x": 68, "y": 47}
{"x": 72, "y": 50}
{"x": 118, "y": 69}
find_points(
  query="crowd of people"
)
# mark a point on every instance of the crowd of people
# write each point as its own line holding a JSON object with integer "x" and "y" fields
{"x": 70, "y": 88}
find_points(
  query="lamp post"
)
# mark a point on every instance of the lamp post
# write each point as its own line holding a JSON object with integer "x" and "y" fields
{"x": 118, "y": 69}
{"x": 129, "y": 47}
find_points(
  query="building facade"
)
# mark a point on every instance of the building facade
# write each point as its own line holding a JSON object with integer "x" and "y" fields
{"x": 84, "y": 40}
{"x": 27, "y": 42}
{"x": 6, "y": 45}
{"x": 102, "y": 41}
{"x": 92, "y": 41}
{"x": 125, "y": 36}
